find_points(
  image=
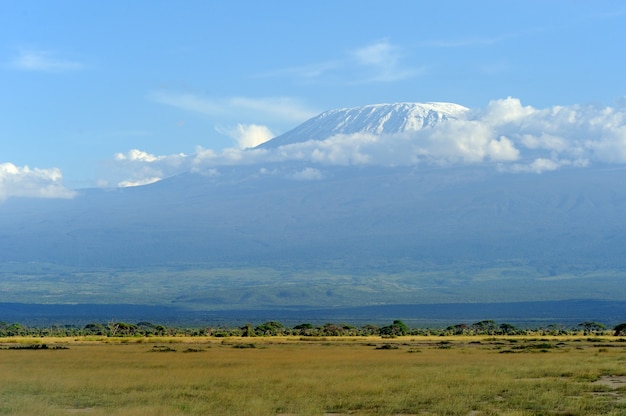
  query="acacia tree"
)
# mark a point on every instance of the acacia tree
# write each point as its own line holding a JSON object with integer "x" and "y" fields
{"x": 620, "y": 329}
{"x": 487, "y": 326}
{"x": 95, "y": 329}
{"x": 589, "y": 326}
{"x": 507, "y": 328}
{"x": 12, "y": 330}
{"x": 247, "y": 331}
{"x": 304, "y": 329}
{"x": 121, "y": 329}
{"x": 395, "y": 329}
{"x": 270, "y": 328}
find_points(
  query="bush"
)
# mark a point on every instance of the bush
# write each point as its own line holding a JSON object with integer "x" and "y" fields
{"x": 387, "y": 347}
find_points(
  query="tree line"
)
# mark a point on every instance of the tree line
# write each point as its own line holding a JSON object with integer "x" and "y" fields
{"x": 275, "y": 328}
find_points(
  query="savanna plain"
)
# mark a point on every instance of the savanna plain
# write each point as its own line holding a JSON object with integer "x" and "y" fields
{"x": 407, "y": 375}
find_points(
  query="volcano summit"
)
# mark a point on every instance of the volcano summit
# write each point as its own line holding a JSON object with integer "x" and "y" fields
{"x": 374, "y": 119}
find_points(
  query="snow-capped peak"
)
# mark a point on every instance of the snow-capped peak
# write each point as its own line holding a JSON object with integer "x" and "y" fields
{"x": 373, "y": 119}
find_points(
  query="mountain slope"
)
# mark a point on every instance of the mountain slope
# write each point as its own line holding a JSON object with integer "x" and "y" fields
{"x": 369, "y": 214}
{"x": 374, "y": 119}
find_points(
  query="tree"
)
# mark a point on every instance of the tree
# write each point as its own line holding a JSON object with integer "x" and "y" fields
{"x": 589, "y": 326}
{"x": 14, "y": 329}
{"x": 620, "y": 329}
{"x": 95, "y": 329}
{"x": 507, "y": 328}
{"x": 487, "y": 326}
{"x": 397, "y": 328}
{"x": 457, "y": 329}
{"x": 146, "y": 328}
{"x": 332, "y": 329}
{"x": 370, "y": 329}
{"x": 121, "y": 329}
{"x": 247, "y": 331}
{"x": 304, "y": 329}
{"x": 270, "y": 328}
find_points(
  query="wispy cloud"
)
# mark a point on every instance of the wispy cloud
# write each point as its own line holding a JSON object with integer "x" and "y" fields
{"x": 377, "y": 62}
{"x": 44, "y": 61}
{"x": 384, "y": 61}
{"x": 16, "y": 181}
{"x": 283, "y": 109}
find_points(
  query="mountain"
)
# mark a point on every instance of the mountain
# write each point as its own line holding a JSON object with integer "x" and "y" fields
{"x": 374, "y": 119}
{"x": 253, "y": 237}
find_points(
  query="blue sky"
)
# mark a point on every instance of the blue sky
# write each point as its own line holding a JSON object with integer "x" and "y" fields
{"x": 82, "y": 82}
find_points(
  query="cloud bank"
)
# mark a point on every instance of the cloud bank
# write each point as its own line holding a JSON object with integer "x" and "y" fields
{"x": 18, "y": 181}
{"x": 505, "y": 134}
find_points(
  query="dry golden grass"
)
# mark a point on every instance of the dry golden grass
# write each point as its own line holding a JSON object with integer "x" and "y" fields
{"x": 422, "y": 376}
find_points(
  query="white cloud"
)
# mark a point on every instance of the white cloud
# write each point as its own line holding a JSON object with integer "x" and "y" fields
{"x": 544, "y": 141}
{"x": 571, "y": 133}
{"x": 137, "y": 167}
{"x": 509, "y": 110}
{"x": 466, "y": 141}
{"x": 135, "y": 154}
{"x": 511, "y": 137}
{"x": 18, "y": 181}
{"x": 44, "y": 61}
{"x": 342, "y": 149}
{"x": 139, "y": 182}
{"x": 248, "y": 135}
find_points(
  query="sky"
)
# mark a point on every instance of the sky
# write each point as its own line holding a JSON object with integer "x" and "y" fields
{"x": 118, "y": 93}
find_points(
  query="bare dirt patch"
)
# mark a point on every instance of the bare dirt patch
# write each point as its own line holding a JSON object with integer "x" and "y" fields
{"x": 613, "y": 382}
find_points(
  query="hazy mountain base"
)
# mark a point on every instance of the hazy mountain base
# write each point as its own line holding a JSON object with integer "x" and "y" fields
{"x": 252, "y": 288}
{"x": 239, "y": 294}
{"x": 353, "y": 221}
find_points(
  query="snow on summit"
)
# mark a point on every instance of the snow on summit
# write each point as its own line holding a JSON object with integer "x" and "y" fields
{"x": 373, "y": 119}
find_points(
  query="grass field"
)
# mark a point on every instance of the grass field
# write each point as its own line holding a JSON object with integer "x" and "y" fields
{"x": 313, "y": 376}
